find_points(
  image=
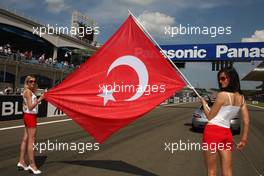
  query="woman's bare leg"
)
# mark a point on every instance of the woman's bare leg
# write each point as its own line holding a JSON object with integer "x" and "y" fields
{"x": 211, "y": 162}
{"x": 23, "y": 148}
{"x": 31, "y": 141}
{"x": 226, "y": 162}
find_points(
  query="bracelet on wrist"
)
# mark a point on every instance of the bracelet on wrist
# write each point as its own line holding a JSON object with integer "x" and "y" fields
{"x": 242, "y": 140}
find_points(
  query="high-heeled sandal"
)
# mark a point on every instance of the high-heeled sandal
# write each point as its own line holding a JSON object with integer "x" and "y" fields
{"x": 31, "y": 170}
{"x": 21, "y": 167}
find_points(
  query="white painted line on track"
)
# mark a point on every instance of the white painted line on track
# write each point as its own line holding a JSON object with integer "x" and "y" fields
{"x": 39, "y": 124}
{"x": 64, "y": 120}
{"x": 256, "y": 106}
{"x": 12, "y": 127}
{"x": 175, "y": 104}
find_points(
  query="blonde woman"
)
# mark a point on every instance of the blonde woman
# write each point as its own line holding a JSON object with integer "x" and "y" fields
{"x": 30, "y": 109}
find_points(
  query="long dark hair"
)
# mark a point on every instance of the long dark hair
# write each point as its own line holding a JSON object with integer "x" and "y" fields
{"x": 234, "y": 83}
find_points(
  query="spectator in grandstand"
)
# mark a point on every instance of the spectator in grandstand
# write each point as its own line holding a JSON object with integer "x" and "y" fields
{"x": 54, "y": 61}
{"x": 50, "y": 60}
{"x": 30, "y": 54}
{"x": 5, "y": 51}
{"x": 1, "y": 49}
{"x": 66, "y": 64}
{"x": 217, "y": 134}
{"x": 8, "y": 49}
{"x": 22, "y": 55}
{"x": 47, "y": 61}
{"x": 30, "y": 109}
{"x": 42, "y": 59}
{"x": 9, "y": 52}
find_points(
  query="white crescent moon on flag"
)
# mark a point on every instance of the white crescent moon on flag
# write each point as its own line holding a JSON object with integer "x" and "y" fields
{"x": 139, "y": 68}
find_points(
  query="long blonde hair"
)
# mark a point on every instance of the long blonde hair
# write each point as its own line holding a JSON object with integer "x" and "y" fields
{"x": 26, "y": 83}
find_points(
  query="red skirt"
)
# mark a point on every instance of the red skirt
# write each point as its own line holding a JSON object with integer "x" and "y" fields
{"x": 217, "y": 138}
{"x": 30, "y": 120}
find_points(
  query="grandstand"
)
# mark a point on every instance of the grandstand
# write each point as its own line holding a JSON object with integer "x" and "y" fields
{"x": 50, "y": 58}
{"x": 257, "y": 74}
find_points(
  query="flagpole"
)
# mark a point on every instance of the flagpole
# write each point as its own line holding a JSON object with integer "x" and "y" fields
{"x": 182, "y": 75}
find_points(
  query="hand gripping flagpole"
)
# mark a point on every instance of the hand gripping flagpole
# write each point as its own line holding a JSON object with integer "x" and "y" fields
{"x": 182, "y": 75}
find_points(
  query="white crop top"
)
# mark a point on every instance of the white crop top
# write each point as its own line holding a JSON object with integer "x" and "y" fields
{"x": 25, "y": 105}
{"x": 226, "y": 114}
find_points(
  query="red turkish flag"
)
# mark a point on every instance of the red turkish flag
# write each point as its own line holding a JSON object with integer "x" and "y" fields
{"x": 124, "y": 79}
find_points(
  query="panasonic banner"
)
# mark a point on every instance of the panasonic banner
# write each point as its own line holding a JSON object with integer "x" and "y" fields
{"x": 240, "y": 52}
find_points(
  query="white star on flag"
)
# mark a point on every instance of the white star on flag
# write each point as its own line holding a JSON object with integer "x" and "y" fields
{"x": 107, "y": 95}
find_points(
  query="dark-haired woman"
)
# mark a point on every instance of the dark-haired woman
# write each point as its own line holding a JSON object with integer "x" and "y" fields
{"x": 217, "y": 135}
{"x": 30, "y": 108}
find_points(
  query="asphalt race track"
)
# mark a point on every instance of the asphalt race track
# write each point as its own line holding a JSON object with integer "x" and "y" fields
{"x": 139, "y": 149}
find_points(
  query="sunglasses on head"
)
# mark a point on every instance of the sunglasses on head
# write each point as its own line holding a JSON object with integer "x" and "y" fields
{"x": 222, "y": 78}
{"x": 32, "y": 81}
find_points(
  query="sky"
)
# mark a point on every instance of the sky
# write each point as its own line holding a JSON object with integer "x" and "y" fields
{"x": 245, "y": 17}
